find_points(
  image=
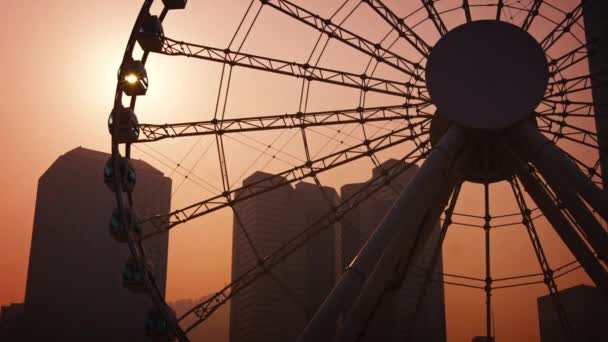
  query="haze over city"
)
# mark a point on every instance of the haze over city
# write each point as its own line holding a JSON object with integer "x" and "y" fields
{"x": 60, "y": 61}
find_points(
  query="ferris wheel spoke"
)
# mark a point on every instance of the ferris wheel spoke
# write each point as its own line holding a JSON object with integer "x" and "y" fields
{"x": 347, "y": 37}
{"x": 153, "y": 132}
{"x": 532, "y": 14}
{"x": 205, "y": 309}
{"x": 435, "y": 17}
{"x": 400, "y": 26}
{"x": 292, "y": 175}
{"x": 563, "y": 27}
{"x": 363, "y": 82}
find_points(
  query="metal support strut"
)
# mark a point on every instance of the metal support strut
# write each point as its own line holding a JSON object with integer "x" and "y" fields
{"x": 407, "y": 212}
{"x": 560, "y": 223}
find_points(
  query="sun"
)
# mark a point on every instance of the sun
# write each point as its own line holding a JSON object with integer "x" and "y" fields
{"x": 131, "y": 78}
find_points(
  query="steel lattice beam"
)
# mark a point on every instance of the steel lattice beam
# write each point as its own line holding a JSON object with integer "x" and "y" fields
{"x": 532, "y": 14}
{"x": 292, "y": 175}
{"x": 349, "y": 38}
{"x": 309, "y": 72}
{"x": 563, "y": 27}
{"x": 400, "y": 26}
{"x": 429, "y": 5}
{"x": 152, "y": 132}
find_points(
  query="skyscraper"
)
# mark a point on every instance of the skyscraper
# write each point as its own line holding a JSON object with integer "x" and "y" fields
{"x": 390, "y": 320}
{"x": 587, "y": 312}
{"x": 278, "y": 306}
{"x": 74, "y": 290}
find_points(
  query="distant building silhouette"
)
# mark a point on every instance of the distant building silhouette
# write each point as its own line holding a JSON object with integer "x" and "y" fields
{"x": 390, "y": 321}
{"x": 278, "y": 306}
{"x": 74, "y": 290}
{"x": 587, "y": 312}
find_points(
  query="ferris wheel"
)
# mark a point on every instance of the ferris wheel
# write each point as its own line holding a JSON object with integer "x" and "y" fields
{"x": 475, "y": 92}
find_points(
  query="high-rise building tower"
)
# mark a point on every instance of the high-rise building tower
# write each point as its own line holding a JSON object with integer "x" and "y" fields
{"x": 391, "y": 320}
{"x": 74, "y": 290}
{"x": 278, "y": 306}
{"x": 587, "y": 312}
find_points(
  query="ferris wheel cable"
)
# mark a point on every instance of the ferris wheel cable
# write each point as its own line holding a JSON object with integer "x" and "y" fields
{"x": 189, "y": 172}
{"x": 238, "y": 29}
{"x": 259, "y": 157}
{"x": 555, "y": 7}
{"x": 262, "y": 151}
{"x": 563, "y": 27}
{"x": 347, "y": 37}
{"x": 292, "y": 175}
{"x": 400, "y": 26}
{"x": 155, "y": 132}
{"x": 206, "y": 308}
{"x": 223, "y": 168}
{"x": 265, "y": 146}
{"x": 214, "y": 200}
{"x": 185, "y": 175}
{"x": 363, "y": 82}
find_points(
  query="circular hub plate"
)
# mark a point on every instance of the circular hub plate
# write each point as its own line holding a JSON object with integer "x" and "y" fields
{"x": 487, "y": 74}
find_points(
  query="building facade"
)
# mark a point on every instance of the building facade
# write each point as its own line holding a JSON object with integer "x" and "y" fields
{"x": 74, "y": 289}
{"x": 277, "y": 306}
{"x": 587, "y": 312}
{"x": 390, "y": 320}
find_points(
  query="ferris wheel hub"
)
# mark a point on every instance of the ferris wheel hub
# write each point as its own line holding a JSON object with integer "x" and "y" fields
{"x": 487, "y": 75}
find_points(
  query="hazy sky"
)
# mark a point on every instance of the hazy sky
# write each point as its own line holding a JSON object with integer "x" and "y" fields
{"x": 59, "y": 60}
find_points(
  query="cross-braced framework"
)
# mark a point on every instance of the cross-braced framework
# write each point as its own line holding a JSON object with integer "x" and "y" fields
{"x": 554, "y": 162}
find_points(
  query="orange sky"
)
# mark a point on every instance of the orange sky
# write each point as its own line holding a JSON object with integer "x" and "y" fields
{"x": 59, "y": 60}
